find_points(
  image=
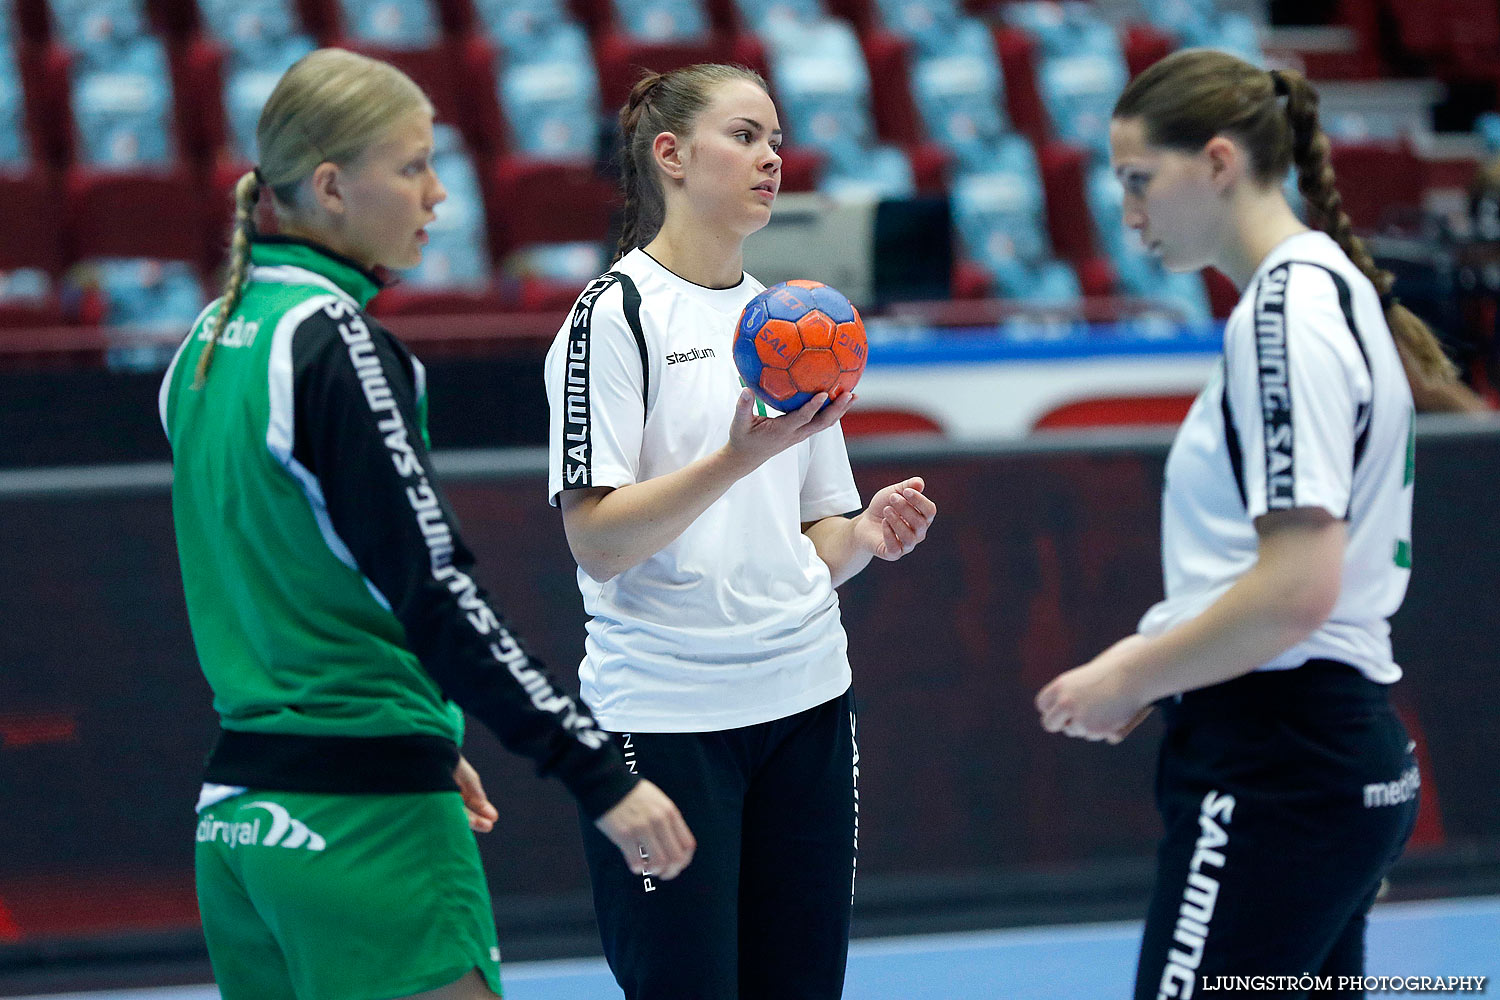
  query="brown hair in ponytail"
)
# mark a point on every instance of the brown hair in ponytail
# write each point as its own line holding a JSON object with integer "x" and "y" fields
{"x": 1191, "y": 96}
{"x": 661, "y": 102}
{"x": 1310, "y": 152}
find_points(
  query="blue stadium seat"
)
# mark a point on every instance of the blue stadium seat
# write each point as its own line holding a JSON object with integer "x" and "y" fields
{"x": 25, "y": 287}
{"x": 1000, "y": 216}
{"x": 960, "y": 94}
{"x": 1201, "y": 24}
{"x": 123, "y": 114}
{"x": 514, "y": 23}
{"x": 564, "y": 263}
{"x": 928, "y": 24}
{"x": 766, "y": 15}
{"x": 549, "y": 92}
{"x": 1139, "y": 273}
{"x": 456, "y": 256}
{"x": 392, "y": 24}
{"x": 248, "y": 82}
{"x": 143, "y": 299}
{"x": 1081, "y": 69}
{"x": 1079, "y": 93}
{"x": 253, "y": 29}
{"x": 824, "y": 88}
{"x": 662, "y": 20}
{"x": 14, "y": 152}
{"x": 94, "y": 30}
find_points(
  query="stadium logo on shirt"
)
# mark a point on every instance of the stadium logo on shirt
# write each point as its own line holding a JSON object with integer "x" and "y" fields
{"x": 693, "y": 355}
{"x": 1275, "y": 388}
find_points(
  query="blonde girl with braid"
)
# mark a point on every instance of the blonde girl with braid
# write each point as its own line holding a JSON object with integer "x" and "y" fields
{"x": 331, "y": 597}
{"x": 1286, "y": 783}
{"x": 710, "y": 540}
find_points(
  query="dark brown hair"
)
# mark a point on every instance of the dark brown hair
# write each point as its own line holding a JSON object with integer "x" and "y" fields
{"x": 661, "y": 102}
{"x": 1191, "y": 96}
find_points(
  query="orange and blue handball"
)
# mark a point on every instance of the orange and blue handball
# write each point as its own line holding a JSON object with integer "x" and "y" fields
{"x": 797, "y": 339}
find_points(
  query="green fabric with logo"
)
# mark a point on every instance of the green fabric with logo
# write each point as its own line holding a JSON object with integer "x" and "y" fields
{"x": 290, "y": 637}
{"x": 335, "y": 897}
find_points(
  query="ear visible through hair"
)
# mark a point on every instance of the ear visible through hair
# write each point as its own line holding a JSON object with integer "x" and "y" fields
{"x": 667, "y": 150}
{"x": 1226, "y": 160}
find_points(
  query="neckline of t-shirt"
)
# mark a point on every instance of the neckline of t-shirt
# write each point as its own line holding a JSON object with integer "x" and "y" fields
{"x": 1280, "y": 253}
{"x": 693, "y": 285}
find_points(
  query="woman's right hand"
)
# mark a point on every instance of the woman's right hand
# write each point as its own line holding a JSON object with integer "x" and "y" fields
{"x": 753, "y": 438}
{"x": 647, "y": 828}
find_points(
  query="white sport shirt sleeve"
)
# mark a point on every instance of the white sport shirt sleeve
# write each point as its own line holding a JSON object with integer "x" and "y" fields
{"x": 1296, "y": 381}
{"x": 828, "y": 485}
{"x": 595, "y": 391}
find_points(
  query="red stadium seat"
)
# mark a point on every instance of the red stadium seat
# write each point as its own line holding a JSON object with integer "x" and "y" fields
{"x": 800, "y": 168}
{"x": 198, "y": 77}
{"x": 539, "y": 201}
{"x": 475, "y": 57}
{"x": 1022, "y": 97}
{"x": 33, "y": 20}
{"x": 1071, "y": 224}
{"x": 1145, "y": 45}
{"x": 621, "y": 58}
{"x": 44, "y": 75}
{"x": 436, "y": 71}
{"x": 1377, "y": 180}
{"x": 896, "y": 118}
{"x": 320, "y": 18}
{"x": 37, "y": 241}
{"x": 109, "y": 214}
{"x": 399, "y": 300}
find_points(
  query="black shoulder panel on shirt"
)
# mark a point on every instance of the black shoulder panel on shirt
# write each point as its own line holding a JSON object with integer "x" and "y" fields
{"x": 633, "y": 317}
{"x": 1346, "y": 305}
{"x": 1232, "y": 444}
{"x": 578, "y": 442}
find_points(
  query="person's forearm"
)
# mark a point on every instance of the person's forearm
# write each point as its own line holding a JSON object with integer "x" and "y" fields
{"x": 833, "y": 538}
{"x": 1262, "y": 616}
{"x": 629, "y": 525}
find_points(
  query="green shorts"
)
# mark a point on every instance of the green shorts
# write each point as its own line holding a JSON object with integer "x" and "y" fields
{"x": 342, "y": 897}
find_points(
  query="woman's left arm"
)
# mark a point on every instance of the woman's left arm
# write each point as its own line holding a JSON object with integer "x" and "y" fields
{"x": 1281, "y": 600}
{"x": 895, "y": 523}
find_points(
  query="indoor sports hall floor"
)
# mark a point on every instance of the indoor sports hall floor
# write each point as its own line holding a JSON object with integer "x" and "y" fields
{"x": 1458, "y": 937}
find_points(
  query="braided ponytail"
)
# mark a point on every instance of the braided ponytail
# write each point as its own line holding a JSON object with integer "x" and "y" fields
{"x": 246, "y": 195}
{"x": 1311, "y": 151}
{"x": 1193, "y": 95}
{"x": 631, "y": 226}
{"x": 661, "y": 102}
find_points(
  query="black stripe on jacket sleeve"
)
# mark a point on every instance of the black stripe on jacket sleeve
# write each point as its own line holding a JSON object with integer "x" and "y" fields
{"x": 356, "y": 431}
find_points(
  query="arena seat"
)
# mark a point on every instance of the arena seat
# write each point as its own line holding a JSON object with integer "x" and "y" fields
{"x": 110, "y": 213}
{"x": 999, "y": 217}
{"x": 32, "y": 195}
{"x": 823, "y": 83}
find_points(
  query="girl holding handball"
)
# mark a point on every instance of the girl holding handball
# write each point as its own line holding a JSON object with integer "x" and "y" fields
{"x": 329, "y": 593}
{"x": 1286, "y": 783}
{"x": 709, "y": 542}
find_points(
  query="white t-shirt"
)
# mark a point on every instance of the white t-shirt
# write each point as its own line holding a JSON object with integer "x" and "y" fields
{"x": 736, "y": 621}
{"x": 1309, "y": 408}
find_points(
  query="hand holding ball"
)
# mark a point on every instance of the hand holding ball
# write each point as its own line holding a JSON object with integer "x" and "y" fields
{"x": 797, "y": 339}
